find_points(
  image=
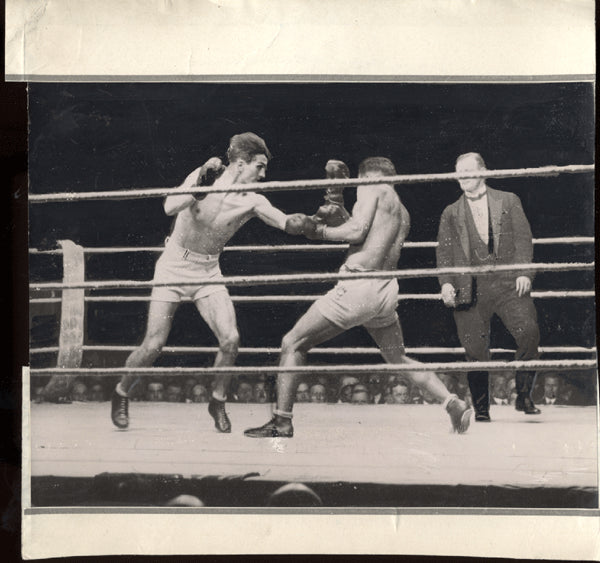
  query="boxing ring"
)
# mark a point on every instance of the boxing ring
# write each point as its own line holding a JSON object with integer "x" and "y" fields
{"x": 351, "y": 455}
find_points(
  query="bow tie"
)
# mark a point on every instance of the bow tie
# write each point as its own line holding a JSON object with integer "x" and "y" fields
{"x": 477, "y": 197}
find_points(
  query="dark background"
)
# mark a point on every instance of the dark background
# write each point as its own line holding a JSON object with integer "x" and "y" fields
{"x": 114, "y": 136}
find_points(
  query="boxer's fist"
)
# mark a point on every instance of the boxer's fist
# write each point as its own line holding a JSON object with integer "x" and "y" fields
{"x": 334, "y": 170}
{"x": 331, "y": 215}
{"x": 300, "y": 224}
{"x": 208, "y": 173}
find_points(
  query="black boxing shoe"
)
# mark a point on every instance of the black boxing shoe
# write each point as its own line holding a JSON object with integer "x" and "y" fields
{"x": 119, "y": 410}
{"x": 216, "y": 409}
{"x": 525, "y": 404}
{"x": 271, "y": 430}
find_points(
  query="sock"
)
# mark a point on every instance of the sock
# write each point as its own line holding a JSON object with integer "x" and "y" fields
{"x": 120, "y": 391}
{"x": 219, "y": 397}
{"x": 283, "y": 414}
{"x": 448, "y": 399}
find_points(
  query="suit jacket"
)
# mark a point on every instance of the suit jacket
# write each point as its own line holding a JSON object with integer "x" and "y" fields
{"x": 513, "y": 242}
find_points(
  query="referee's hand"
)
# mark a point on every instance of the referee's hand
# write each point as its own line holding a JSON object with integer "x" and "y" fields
{"x": 449, "y": 295}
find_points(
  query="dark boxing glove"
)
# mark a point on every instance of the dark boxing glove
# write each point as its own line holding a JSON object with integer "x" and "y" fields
{"x": 333, "y": 213}
{"x": 300, "y": 224}
{"x": 208, "y": 173}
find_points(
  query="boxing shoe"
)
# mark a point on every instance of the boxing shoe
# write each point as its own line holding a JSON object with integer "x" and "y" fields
{"x": 271, "y": 430}
{"x": 119, "y": 410}
{"x": 525, "y": 404}
{"x": 460, "y": 414}
{"x": 216, "y": 409}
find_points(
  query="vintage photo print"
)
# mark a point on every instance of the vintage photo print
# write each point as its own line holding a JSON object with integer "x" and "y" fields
{"x": 284, "y": 293}
{"x": 162, "y": 435}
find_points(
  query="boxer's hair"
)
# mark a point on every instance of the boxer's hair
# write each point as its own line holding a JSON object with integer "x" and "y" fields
{"x": 475, "y": 155}
{"x": 246, "y": 146}
{"x": 377, "y": 164}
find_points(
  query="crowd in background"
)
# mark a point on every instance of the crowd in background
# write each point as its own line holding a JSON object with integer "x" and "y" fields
{"x": 551, "y": 388}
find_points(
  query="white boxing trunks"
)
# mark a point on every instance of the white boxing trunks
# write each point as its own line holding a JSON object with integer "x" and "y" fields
{"x": 371, "y": 303}
{"x": 178, "y": 264}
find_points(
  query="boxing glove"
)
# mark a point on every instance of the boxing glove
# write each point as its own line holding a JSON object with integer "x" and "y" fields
{"x": 332, "y": 213}
{"x": 208, "y": 173}
{"x": 300, "y": 224}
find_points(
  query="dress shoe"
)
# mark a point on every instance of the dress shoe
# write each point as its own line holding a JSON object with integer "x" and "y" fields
{"x": 119, "y": 410}
{"x": 270, "y": 430}
{"x": 525, "y": 404}
{"x": 482, "y": 416}
{"x": 460, "y": 414}
{"x": 216, "y": 409}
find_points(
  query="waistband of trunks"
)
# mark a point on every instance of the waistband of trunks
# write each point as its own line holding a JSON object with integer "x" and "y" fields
{"x": 173, "y": 249}
{"x": 346, "y": 268}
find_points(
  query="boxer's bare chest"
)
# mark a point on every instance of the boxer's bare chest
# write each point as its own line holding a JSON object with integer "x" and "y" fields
{"x": 222, "y": 211}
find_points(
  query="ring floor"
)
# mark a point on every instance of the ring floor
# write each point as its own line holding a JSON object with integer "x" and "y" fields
{"x": 377, "y": 455}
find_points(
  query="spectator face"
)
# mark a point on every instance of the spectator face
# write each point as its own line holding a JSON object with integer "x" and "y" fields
{"x": 174, "y": 394}
{"x": 551, "y": 385}
{"x": 317, "y": 393}
{"x": 565, "y": 394}
{"x": 199, "y": 394}
{"x": 188, "y": 386}
{"x": 79, "y": 392}
{"x": 260, "y": 392}
{"x": 360, "y": 395}
{"x": 346, "y": 394}
{"x": 97, "y": 393}
{"x": 244, "y": 393}
{"x": 400, "y": 394}
{"x": 499, "y": 382}
{"x": 303, "y": 393}
{"x": 155, "y": 392}
{"x": 374, "y": 384}
{"x": 323, "y": 380}
{"x": 348, "y": 380}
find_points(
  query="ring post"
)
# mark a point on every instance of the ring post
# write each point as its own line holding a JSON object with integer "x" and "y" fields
{"x": 72, "y": 321}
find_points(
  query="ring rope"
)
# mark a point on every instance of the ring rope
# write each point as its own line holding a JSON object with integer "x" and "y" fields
{"x": 312, "y": 184}
{"x": 320, "y": 351}
{"x": 305, "y": 298}
{"x": 296, "y": 247}
{"x": 325, "y": 369}
{"x": 319, "y": 277}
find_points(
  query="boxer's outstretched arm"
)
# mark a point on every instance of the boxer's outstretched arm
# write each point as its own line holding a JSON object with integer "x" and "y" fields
{"x": 355, "y": 230}
{"x": 264, "y": 210}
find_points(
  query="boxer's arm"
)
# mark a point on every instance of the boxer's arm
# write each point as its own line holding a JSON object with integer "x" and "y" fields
{"x": 267, "y": 213}
{"x": 204, "y": 175}
{"x": 355, "y": 230}
{"x": 178, "y": 202}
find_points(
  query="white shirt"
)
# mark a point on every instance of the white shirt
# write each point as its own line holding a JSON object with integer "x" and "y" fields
{"x": 480, "y": 211}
